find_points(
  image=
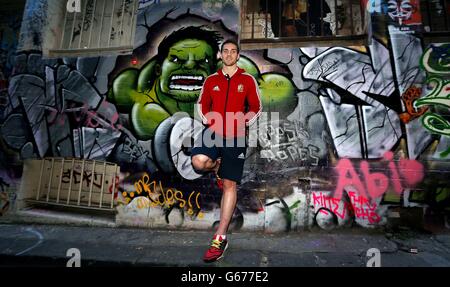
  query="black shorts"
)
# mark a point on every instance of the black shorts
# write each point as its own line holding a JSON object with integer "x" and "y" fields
{"x": 232, "y": 151}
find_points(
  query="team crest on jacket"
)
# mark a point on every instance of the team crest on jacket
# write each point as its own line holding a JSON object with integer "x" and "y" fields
{"x": 216, "y": 89}
{"x": 240, "y": 88}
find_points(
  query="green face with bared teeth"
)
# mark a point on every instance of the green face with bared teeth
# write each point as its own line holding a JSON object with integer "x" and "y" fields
{"x": 172, "y": 83}
{"x": 188, "y": 63}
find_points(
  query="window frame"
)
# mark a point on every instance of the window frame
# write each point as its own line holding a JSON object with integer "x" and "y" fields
{"x": 98, "y": 48}
{"x": 302, "y": 41}
{"x": 434, "y": 36}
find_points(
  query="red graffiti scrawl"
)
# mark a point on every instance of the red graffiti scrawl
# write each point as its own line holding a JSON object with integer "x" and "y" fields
{"x": 359, "y": 206}
{"x": 374, "y": 184}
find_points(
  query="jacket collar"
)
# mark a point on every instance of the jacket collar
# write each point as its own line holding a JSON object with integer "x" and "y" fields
{"x": 237, "y": 72}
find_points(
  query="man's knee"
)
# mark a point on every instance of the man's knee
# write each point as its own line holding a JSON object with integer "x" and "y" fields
{"x": 199, "y": 161}
{"x": 229, "y": 184}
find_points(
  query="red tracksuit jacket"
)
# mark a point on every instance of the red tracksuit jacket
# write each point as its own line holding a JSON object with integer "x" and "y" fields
{"x": 234, "y": 98}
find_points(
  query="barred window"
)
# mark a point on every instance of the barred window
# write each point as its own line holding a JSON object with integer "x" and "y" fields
{"x": 101, "y": 27}
{"x": 289, "y": 23}
{"x": 435, "y": 20}
{"x": 435, "y": 15}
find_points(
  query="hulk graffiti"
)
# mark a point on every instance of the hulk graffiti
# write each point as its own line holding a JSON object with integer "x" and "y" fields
{"x": 172, "y": 81}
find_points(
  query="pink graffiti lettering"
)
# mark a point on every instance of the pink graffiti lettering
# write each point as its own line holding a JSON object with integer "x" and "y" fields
{"x": 396, "y": 180}
{"x": 374, "y": 184}
{"x": 91, "y": 120}
{"x": 344, "y": 168}
{"x": 377, "y": 183}
{"x": 359, "y": 206}
{"x": 412, "y": 171}
{"x": 362, "y": 208}
{"x": 330, "y": 203}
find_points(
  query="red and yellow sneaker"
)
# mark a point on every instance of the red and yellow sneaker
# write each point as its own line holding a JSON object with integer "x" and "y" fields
{"x": 216, "y": 250}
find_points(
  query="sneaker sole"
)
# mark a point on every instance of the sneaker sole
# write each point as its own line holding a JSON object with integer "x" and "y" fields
{"x": 223, "y": 253}
{"x": 220, "y": 257}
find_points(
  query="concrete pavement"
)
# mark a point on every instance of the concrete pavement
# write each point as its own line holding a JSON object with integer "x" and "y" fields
{"x": 47, "y": 245}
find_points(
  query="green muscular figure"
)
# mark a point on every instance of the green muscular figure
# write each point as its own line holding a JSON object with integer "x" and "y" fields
{"x": 172, "y": 81}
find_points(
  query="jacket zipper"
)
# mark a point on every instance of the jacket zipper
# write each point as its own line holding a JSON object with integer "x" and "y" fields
{"x": 225, "y": 109}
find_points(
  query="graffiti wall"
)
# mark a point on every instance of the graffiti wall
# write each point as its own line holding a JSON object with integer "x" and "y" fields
{"x": 348, "y": 135}
{"x": 10, "y": 23}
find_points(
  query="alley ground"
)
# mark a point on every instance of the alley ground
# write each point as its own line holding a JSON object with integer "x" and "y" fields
{"x": 48, "y": 245}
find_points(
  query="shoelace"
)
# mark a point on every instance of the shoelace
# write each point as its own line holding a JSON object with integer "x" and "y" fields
{"x": 219, "y": 181}
{"x": 216, "y": 243}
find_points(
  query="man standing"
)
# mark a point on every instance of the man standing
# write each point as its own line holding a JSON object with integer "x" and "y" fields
{"x": 229, "y": 102}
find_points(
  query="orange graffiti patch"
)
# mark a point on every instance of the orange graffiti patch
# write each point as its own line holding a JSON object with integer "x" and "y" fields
{"x": 151, "y": 194}
{"x": 408, "y": 98}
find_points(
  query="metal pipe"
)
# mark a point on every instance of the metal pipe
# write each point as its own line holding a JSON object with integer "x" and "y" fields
{"x": 64, "y": 29}
{"x": 70, "y": 180}
{"x": 336, "y": 18}
{"x": 444, "y": 4}
{"x": 92, "y": 182}
{"x": 103, "y": 183}
{"x": 65, "y": 205}
{"x": 321, "y": 18}
{"x": 133, "y": 15}
{"x": 267, "y": 18}
{"x": 81, "y": 182}
{"x": 73, "y": 29}
{"x": 101, "y": 24}
{"x": 92, "y": 23}
{"x": 280, "y": 16}
{"x": 351, "y": 17}
{"x": 51, "y": 179}
{"x": 60, "y": 180}
{"x": 253, "y": 25}
{"x": 429, "y": 15}
{"x": 112, "y": 21}
{"x": 40, "y": 179}
{"x": 308, "y": 31}
{"x": 114, "y": 186}
{"x": 82, "y": 23}
{"x": 123, "y": 18}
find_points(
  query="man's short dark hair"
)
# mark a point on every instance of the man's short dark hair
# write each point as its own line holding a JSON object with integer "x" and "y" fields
{"x": 198, "y": 33}
{"x": 230, "y": 41}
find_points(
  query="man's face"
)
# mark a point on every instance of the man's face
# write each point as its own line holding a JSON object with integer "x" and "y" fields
{"x": 229, "y": 54}
{"x": 185, "y": 68}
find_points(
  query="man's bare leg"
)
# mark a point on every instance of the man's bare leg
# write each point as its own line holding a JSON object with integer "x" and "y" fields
{"x": 229, "y": 196}
{"x": 204, "y": 163}
{"x": 227, "y": 206}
